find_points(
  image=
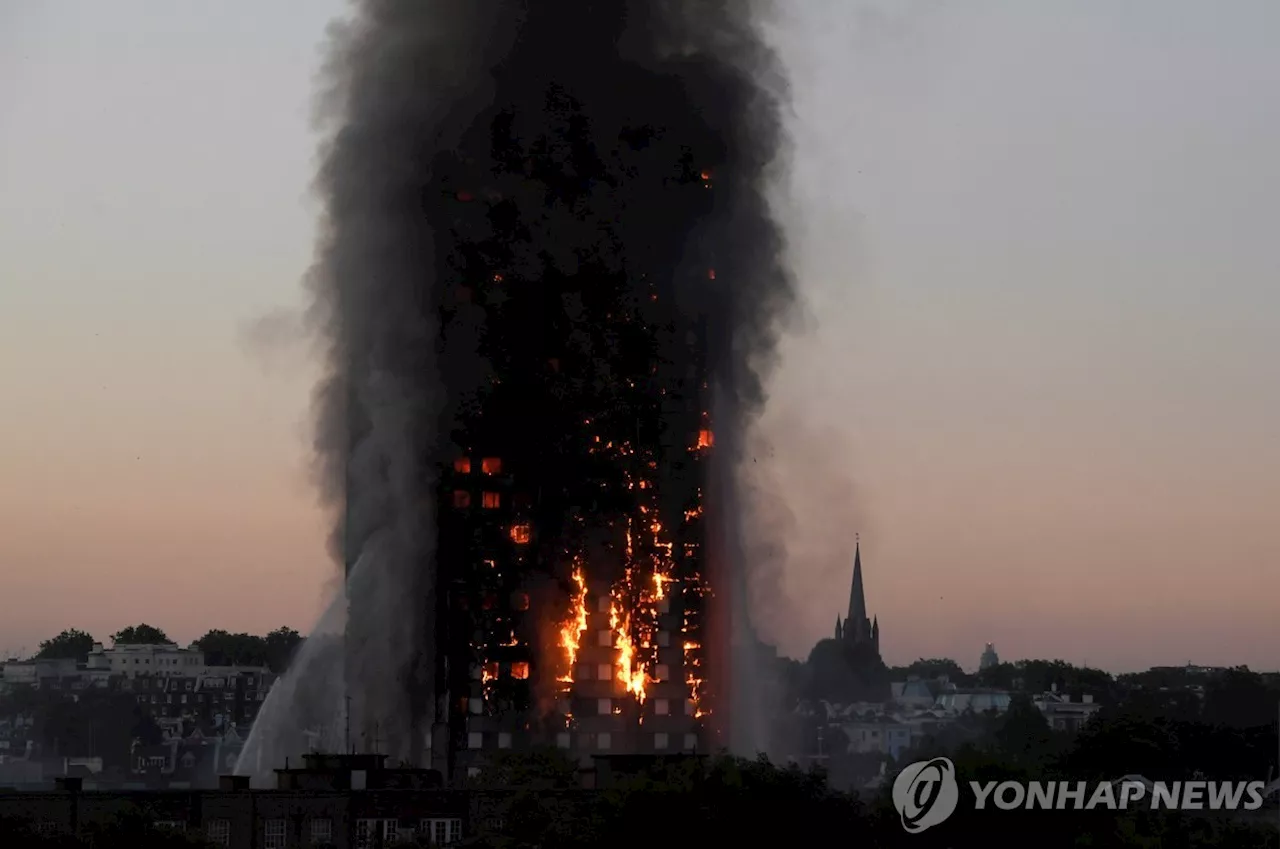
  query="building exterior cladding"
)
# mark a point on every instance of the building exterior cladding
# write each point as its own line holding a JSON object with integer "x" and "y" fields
{"x": 569, "y": 523}
{"x": 551, "y": 659}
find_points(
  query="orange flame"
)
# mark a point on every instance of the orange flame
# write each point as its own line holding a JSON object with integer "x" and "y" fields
{"x": 572, "y": 630}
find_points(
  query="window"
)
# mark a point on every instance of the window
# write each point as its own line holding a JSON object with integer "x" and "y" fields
{"x": 689, "y": 707}
{"x": 475, "y": 740}
{"x": 604, "y": 604}
{"x": 604, "y": 707}
{"x": 706, "y": 439}
{"x": 504, "y": 739}
{"x": 274, "y": 835}
{"x": 171, "y": 825}
{"x": 442, "y": 831}
{"x": 520, "y": 601}
{"x": 520, "y": 670}
{"x": 521, "y": 534}
{"x": 661, "y": 707}
{"x": 664, "y": 638}
{"x": 603, "y": 740}
{"x": 475, "y": 705}
{"x": 461, "y": 498}
{"x": 321, "y": 831}
{"x": 491, "y": 466}
{"x": 370, "y": 833}
{"x": 660, "y": 740}
{"x": 604, "y": 672}
{"x": 584, "y": 672}
{"x": 662, "y": 672}
{"x": 691, "y": 741}
{"x": 462, "y": 465}
{"x": 605, "y": 638}
{"x": 219, "y": 832}
{"x": 490, "y": 500}
{"x": 562, "y": 739}
{"x": 664, "y": 604}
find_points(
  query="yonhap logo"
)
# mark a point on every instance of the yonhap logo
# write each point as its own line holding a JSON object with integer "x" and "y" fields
{"x": 926, "y": 793}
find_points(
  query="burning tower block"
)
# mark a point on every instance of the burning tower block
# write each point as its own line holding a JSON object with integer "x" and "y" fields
{"x": 570, "y": 519}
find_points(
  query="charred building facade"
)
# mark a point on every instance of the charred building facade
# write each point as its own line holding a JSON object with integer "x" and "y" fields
{"x": 570, "y": 538}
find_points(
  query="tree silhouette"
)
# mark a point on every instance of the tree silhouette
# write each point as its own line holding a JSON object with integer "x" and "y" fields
{"x": 70, "y": 644}
{"x": 143, "y": 634}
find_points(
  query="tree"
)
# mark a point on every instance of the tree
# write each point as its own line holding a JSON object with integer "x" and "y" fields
{"x": 281, "y": 645}
{"x": 1240, "y": 699}
{"x": 935, "y": 667}
{"x": 143, "y": 634}
{"x": 1023, "y": 736}
{"x": 225, "y": 649}
{"x": 70, "y": 644}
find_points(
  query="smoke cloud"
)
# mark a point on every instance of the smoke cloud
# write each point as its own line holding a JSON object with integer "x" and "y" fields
{"x": 577, "y": 122}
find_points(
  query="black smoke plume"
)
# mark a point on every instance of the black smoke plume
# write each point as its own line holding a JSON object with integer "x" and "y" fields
{"x": 619, "y": 151}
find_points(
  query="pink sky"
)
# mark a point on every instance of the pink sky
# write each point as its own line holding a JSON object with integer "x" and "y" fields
{"x": 1038, "y": 372}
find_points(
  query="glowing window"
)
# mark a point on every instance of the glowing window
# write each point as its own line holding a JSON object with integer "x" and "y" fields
{"x": 521, "y": 534}
{"x": 490, "y": 671}
{"x": 604, "y": 672}
{"x": 605, "y": 639}
{"x": 462, "y": 465}
{"x": 490, "y": 500}
{"x": 520, "y": 670}
{"x": 461, "y": 498}
{"x": 661, "y": 707}
{"x": 520, "y": 601}
{"x": 706, "y": 439}
{"x": 491, "y": 466}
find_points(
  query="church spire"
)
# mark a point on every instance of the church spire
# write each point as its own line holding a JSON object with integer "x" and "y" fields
{"x": 857, "y": 601}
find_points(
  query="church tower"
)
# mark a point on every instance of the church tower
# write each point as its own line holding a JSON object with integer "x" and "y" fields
{"x": 857, "y": 630}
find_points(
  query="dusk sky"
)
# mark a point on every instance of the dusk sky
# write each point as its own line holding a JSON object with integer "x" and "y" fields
{"x": 1039, "y": 368}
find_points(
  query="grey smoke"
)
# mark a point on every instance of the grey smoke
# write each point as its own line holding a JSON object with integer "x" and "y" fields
{"x": 404, "y": 84}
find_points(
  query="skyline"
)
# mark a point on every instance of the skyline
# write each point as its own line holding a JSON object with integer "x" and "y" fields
{"x": 1038, "y": 343}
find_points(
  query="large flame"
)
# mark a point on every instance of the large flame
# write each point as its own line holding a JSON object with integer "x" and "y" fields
{"x": 571, "y": 631}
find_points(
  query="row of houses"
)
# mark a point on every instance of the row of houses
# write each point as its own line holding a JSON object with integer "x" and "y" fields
{"x": 919, "y": 709}
{"x": 202, "y": 713}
